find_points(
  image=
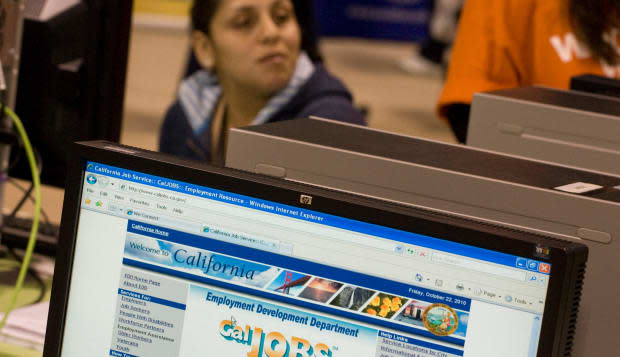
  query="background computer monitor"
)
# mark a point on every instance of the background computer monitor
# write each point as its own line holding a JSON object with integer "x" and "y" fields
{"x": 455, "y": 180}
{"x": 565, "y": 127}
{"x": 72, "y": 78}
{"x": 596, "y": 85}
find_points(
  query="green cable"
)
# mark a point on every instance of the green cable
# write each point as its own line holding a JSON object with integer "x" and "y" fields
{"x": 35, "y": 219}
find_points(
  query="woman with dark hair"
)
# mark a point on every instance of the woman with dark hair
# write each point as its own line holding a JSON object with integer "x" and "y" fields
{"x": 510, "y": 43}
{"x": 253, "y": 71}
{"x": 304, "y": 11}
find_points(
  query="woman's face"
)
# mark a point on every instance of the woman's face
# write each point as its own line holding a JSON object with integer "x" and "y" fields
{"x": 253, "y": 44}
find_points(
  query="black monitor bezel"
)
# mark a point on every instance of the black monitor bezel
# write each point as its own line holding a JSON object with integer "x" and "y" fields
{"x": 59, "y": 102}
{"x": 564, "y": 255}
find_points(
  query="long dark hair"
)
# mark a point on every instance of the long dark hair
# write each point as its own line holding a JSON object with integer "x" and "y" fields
{"x": 590, "y": 19}
{"x": 202, "y": 13}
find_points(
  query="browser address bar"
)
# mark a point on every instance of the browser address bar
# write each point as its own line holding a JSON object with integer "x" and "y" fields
{"x": 478, "y": 266}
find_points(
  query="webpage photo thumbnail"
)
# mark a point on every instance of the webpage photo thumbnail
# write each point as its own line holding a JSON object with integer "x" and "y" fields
{"x": 352, "y": 297}
{"x": 289, "y": 283}
{"x": 320, "y": 289}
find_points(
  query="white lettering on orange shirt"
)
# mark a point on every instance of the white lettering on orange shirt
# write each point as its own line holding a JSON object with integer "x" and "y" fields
{"x": 568, "y": 47}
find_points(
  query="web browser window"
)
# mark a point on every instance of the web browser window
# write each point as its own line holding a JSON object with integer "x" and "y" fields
{"x": 167, "y": 268}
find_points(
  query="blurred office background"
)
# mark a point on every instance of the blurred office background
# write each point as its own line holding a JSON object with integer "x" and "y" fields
{"x": 397, "y": 101}
{"x": 364, "y": 54}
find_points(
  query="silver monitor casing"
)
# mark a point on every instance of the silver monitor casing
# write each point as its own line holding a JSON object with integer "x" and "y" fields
{"x": 567, "y": 127}
{"x": 398, "y": 168}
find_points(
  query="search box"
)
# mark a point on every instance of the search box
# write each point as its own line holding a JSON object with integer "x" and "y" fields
{"x": 478, "y": 266}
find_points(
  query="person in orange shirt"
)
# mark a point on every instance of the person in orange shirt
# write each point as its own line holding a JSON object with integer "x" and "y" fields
{"x": 511, "y": 43}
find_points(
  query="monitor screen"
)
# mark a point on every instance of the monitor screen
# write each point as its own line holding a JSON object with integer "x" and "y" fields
{"x": 166, "y": 267}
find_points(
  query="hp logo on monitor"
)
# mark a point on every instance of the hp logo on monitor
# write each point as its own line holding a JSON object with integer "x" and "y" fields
{"x": 542, "y": 252}
{"x": 305, "y": 199}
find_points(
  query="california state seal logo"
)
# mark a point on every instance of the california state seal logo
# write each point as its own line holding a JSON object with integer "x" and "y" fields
{"x": 440, "y": 319}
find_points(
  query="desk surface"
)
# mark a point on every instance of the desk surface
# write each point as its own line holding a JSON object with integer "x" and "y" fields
{"x": 51, "y": 200}
{"x": 15, "y": 351}
{"x": 9, "y": 268}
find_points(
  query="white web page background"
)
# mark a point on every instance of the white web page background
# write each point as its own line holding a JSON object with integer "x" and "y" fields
{"x": 498, "y": 331}
{"x": 94, "y": 281}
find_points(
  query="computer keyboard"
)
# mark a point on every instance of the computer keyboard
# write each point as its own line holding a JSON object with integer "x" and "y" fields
{"x": 16, "y": 230}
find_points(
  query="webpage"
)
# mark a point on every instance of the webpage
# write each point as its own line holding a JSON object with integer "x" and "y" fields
{"x": 246, "y": 277}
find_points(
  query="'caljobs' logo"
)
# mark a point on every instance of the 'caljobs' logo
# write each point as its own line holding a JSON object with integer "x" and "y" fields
{"x": 91, "y": 179}
{"x": 273, "y": 344}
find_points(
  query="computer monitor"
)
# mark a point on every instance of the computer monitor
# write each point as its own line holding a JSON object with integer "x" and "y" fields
{"x": 163, "y": 257}
{"x": 459, "y": 180}
{"x": 571, "y": 128}
{"x": 72, "y": 78}
{"x": 596, "y": 85}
